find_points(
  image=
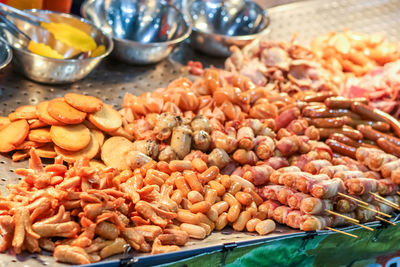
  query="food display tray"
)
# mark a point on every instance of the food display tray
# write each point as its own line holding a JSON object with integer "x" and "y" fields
{"x": 111, "y": 80}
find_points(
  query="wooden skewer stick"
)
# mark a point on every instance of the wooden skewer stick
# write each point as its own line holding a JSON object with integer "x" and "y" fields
{"x": 387, "y": 204}
{"x": 384, "y": 199}
{"x": 354, "y": 199}
{"x": 398, "y": 192}
{"x": 376, "y": 211}
{"x": 340, "y": 232}
{"x": 343, "y": 216}
{"x": 363, "y": 226}
{"x": 382, "y": 219}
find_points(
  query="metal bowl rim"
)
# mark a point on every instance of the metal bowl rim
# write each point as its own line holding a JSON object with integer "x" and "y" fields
{"x": 235, "y": 37}
{"x": 152, "y": 44}
{"x": 9, "y": 55}
{"x": 109, "y": 40}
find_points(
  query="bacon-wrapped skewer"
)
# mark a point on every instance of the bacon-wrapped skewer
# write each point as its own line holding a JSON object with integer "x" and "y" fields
{"x": 295, "y": 199}
{"x": 316, "y": 165}
{"x": 268, "y": 207}
{"x": 305, "y": 183}
{"x": 269, "y": 192}
{"x": 345, "y": 175}
{"x": 328, "y": 188}
{"x": 290, "y": 178}
{"x": 389, "y": 167}
{"x": 374, "y": 158}
{"x": 315, "y": 206}
{"x": 312, "y": 223}
{"x": 274, "y": 178}
{"x": 281, "y": 213}
{"x": 332, "y": 170}
{"x": 361, "y": 186}
{"x": 294, "y": 219}
{"x": 387, "y": 187}
{"x": 345, "y": 205}
{"x": 283, "y": 195}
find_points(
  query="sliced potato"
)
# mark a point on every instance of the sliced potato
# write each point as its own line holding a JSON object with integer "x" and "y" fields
{"x": 4, "y": 121}
{"x": 20, "y": 155}
{"x": 90, "y": 151}
{"x": 106, "y": 119}
{"x": 44, "y": 116}
{"x": 97, "y": 164}
{"x": 62, "y": 111}
{"x": 46, "y": 151}
{"x": 27, "y": 145}
{"x": 99, "y": 135}
{"x": 26, "y": 112}
{"x": 114, "y": 151}
{"x": 41, "y": 135}
{"x": 83, "y": 103}
{"x": 13, "y": 134}
{"x": 36, "y": 123}
{"x": 70, "y": 137}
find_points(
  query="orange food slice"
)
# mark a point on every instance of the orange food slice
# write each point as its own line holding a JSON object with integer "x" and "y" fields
{"x": 70, "y": 137}
{"x": 97, "y": 164}
{"x": 90, "y": 151}
{"x": 35, "y": 123}
{"x": 46, "y": 151}
{"x": 4, "y": 121}
{"x": 114, "y": 151}
{"x": 27, "y": 145}
{"x": 99, "y": 135}
{"x": 20, "y": 155}
{"x": 62, "y": 111}
{"x": 41, "y": 135}
{"x": 13, "y": 134}
{"x": 26, "y": 112}
{"x": 121, "y": 132}
{"x": 83, "y": 103}
{"x": 44, "y": 116}
{"x": 106, "y": 119}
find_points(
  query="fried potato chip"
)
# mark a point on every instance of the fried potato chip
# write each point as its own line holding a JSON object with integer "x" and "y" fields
{"x": 62, "y": 111}
{"x": 83, "y": 103}
{"x": 70, "y": 137}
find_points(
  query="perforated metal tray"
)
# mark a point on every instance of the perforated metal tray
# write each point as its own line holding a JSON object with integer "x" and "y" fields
{"x": 111, "y": 80}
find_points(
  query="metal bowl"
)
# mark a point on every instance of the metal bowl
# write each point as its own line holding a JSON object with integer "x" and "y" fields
{"x": 217, "y": 25}
{"x": 50, "y": 70}
{"x": 5, "y": 55}
{"x": 144, "y": 32}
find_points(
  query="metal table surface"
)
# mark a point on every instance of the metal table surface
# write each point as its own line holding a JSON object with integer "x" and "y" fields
{"x": 112, "y": 79}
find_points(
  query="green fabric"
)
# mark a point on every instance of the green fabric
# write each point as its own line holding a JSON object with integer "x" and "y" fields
{"x": 325, "y": 250}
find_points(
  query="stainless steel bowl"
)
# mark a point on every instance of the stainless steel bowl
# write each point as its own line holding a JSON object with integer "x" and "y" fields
{"x": 5, "y": 55}
{"x": 49, "y": 70}
{"x": 217, "y": 24}
{"x": 144, "y": 32}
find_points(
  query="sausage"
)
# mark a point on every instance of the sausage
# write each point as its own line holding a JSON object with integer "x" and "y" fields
{"x": 318, "y": 97}
{"x": 344, "y": 139}
{"x": 341, "y": 148}
{"x": 313, "y": 112}
{"x": 334, "y": 122}
{"x": 343, "y": 102}
{"x": 372, "y": 134}
{"x": 349, "y": 132}
{"x": 388, "y": 147}
{"x": 389, "y": 119}
{"x": 377, "y": 125}
{"x": 366, "y": 111}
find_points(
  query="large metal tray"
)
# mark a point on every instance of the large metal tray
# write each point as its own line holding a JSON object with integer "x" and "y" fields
{"x": 111, "y": 80}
